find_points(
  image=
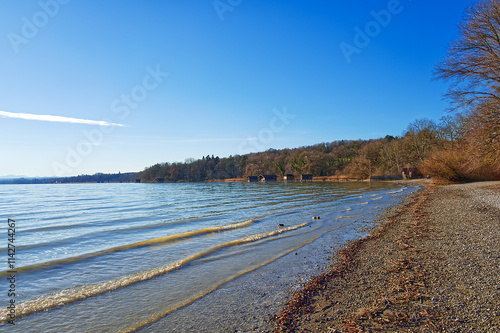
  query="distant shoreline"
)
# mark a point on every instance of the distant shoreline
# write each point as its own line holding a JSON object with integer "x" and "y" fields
{"x": 27, "y": 181}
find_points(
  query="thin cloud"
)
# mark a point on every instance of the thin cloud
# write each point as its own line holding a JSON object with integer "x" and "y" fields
{"x": 160, "y": 140}
{"x": 58, "y": 119}
{"x": 207, "y": 140}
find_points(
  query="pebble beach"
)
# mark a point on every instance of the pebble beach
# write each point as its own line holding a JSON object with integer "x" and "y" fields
{"x": 432, "y": 265}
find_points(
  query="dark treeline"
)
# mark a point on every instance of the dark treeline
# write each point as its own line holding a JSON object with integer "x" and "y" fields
{"x": 321, "y": 159}
{"x": 96, "y": 178}
{"x": 354, "y": 158}
{"x": 420, "y": 146}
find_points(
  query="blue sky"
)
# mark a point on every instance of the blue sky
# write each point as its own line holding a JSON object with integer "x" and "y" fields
{"x": 181, "y": 79}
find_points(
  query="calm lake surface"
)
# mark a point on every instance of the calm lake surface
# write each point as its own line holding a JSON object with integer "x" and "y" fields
{"x": 173, "y": 257}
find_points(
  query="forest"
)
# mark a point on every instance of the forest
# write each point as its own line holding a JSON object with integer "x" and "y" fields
{"x": 441, "y": 150}
{"x": 95, "y": 178}
{"x": 463, "y": 146}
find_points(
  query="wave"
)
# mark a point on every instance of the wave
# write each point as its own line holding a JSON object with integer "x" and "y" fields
{"x": 348, "y": 216}
{"x": 176, "y": 307}
{"x": 190, "y": 300}
{"x": 67, "y": 296}
{"x": 111, "y": 229}
{"x": 398, "y": 191}
{"x": 150, "y": 242}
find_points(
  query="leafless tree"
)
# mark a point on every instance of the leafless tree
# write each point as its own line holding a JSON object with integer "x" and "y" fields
{"x": 473, "y": 60}
{"x": 452, "y": 129}
{"x": 472, "y": 66}
{"x": 421, "y": 136}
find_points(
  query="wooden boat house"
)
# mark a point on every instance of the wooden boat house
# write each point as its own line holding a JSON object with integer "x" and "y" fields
{"x": 268, "y": 178}
{"x": 306, "y": 177}
{"x": 252, "y": 179}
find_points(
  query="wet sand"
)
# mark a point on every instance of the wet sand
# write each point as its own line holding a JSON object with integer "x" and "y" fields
{"x": 433, "y": 265}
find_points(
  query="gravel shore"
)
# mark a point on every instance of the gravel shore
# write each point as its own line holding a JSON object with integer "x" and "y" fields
{"x": 433, "y": 265}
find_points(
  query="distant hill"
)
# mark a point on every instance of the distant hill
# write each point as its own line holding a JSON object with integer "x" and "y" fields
{"x": 96, "y": 178}
{"x": 12, "y": 177}
{"x": 325, "y": 159}
{"x": 440, "y": 145}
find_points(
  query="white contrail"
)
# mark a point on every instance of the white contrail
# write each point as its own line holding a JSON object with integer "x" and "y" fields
{"x": 59, "y": 119}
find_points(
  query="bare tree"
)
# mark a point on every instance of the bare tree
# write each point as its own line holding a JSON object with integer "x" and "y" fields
{"x": 472, "y": 65}
{"x": 394, "y": 156}
{"x": 473, "y": 60}
{"x": 452, "y": 129}
{"x": 421, "y": 135}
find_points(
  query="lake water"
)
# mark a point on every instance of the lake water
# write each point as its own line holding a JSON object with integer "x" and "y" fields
{"x": 172, "y": 257}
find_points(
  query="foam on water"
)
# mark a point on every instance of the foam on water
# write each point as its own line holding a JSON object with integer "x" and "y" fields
{"x": 64, "y": 297}
{"x": 150, "y": 242}
{"x": 104, "y": 246}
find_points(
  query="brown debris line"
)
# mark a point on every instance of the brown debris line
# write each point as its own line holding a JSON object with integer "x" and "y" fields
{"x": 406, "y": 277}
{"x": 301, "y": 301}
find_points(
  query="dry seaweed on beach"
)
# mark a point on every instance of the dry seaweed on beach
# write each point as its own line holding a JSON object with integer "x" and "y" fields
{"x": 431, "y": 266}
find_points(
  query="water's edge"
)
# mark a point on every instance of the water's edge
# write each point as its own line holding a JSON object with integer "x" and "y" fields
{"x": 250, "y": 302}
{"x": 211, "y": 258}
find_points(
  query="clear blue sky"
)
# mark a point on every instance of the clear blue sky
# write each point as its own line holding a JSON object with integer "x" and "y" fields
{"x": 187, "y": 78}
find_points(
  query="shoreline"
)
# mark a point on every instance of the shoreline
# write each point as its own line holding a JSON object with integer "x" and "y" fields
{"x": 431, "y": 265}
{"x": 250, "y": 302}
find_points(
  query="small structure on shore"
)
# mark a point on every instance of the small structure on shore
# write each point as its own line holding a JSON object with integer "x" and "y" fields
{"x": 289, "y": 177}
{"x": 252, "y": 179}
{"x": 387, "y": 177}
{"x": 138, "y": 180}
{"x": 268, "y": 178}
{"x": 306, "y": 177}
{"x": 411, "y": 173}
{"x": 160, "y": 180}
